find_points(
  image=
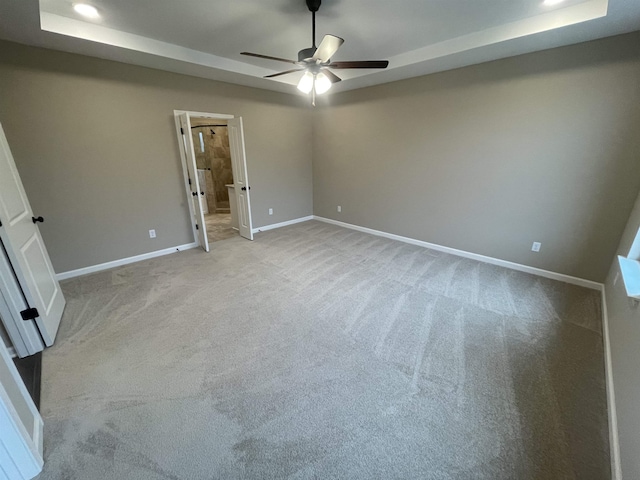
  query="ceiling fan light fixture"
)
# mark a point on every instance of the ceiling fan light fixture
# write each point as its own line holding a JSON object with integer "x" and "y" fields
{"x": 86, "y": 10}
{"x": 316, "y": 63}
{"x": 322, "y": 83}
{"x": 305, "y": 85}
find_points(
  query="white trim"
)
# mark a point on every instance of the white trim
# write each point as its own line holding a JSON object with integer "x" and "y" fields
{"x": 124, "y": 261}
{"x": 203, "y": 114}
{"x": 12, "y": 352}
{"x": 94, "y": 32}
{"x": 283, "y": 224}
{"x": 474, "y": 256}
{"x": 614, "y": 441}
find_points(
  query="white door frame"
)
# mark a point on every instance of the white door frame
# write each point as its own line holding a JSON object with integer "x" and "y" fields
{"x": 183, "y": 162}
{"x": 21, "y": 426}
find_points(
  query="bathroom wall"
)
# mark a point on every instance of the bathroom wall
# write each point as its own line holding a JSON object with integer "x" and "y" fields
{"x": 216, "y": 159}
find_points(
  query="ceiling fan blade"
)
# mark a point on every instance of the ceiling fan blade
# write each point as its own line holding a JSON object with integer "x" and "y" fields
{"x": 283, "y": 73}
{"x": 326, "y": 49}
{"x": 257, "y": 55}
{"x": 332, "y": 76}
{"x": 361, "y": 64}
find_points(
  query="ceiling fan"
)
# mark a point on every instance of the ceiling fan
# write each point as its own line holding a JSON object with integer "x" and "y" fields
{"x": 316, "y": 61}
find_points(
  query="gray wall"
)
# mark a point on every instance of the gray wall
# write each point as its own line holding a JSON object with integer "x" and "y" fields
{"x": 490, "y": 158}
{"x": 95, "y": 145}
{"x": 624, "y": 335}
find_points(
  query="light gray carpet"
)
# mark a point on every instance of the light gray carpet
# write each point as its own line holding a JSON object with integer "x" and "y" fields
{"x": 319, "y": 352}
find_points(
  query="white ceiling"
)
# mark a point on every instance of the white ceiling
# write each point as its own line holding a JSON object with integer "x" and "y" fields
{"x": 205, "y": 37}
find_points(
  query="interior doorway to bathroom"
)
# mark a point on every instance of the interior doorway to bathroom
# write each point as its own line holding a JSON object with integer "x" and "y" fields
{"x": 215, "y": 173}
{"x": 215, "y": 176}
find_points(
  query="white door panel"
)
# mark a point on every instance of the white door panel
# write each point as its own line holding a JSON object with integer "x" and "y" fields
{"x": 196, "y": 197}
{"x": 21, "y": 425}
{"x": 25, "y": 249}
{"x": 23, "y": 333}
{"x": 240, "y": 177}
{"x": 202, "y": 183}
{"x": 35, "y": 257}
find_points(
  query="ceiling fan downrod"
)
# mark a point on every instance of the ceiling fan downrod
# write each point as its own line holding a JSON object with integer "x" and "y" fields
{"x": 305, "y": 53}
{"x": 313, "y": 6}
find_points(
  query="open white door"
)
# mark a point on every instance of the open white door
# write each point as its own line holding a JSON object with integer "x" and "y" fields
{"x": 23, "y": 333}
{"x": 240, "y": 177}
{"x": 20, "y": 425}
{"x": 26, "y": 251}
{"x": 197, "y": 193}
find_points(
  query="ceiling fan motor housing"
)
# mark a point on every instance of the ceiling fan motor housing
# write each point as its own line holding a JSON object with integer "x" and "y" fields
{"x": 306, "y": 54}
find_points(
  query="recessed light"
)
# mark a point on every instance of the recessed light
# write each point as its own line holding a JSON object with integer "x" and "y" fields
{"x": 86, "y": 10}
{"x": 550, "y": 3}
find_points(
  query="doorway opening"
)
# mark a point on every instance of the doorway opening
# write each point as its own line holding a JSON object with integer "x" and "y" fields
{"x": 215, "y": 173}
{"x": 215, "y": 176}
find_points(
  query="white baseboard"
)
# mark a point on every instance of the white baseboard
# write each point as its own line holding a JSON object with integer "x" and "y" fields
{"x": 282, "y": 224}
{"x": 474, "y": 256}
{"x": 614, "y": 442}
{"x": 123, "y": 261}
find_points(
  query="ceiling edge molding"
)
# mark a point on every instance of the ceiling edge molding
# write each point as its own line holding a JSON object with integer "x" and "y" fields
{"x": 70, "y": 27}
{"x": 563, "y": 17}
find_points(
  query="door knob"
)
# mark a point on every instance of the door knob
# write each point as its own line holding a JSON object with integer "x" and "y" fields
{"x": 201, "y": 193}
{"x": 245, "y": 188}
{"x": 38, "y": 219}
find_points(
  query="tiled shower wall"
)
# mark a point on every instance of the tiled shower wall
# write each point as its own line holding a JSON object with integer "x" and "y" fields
{"x": 216, "y": 159}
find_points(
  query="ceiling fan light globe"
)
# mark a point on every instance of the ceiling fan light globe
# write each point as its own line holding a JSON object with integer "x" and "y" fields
{"x": 86, "y": 10}
{"x": 305, "y": 85}
{"x": 322, "y": 83}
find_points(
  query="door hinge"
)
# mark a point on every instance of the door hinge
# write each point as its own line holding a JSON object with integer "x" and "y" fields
{"x": 29, "y": 314}
{"x": 189, "y": 181}
{"x": 181, "y": 130}
{"x": 197, "y": 227}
